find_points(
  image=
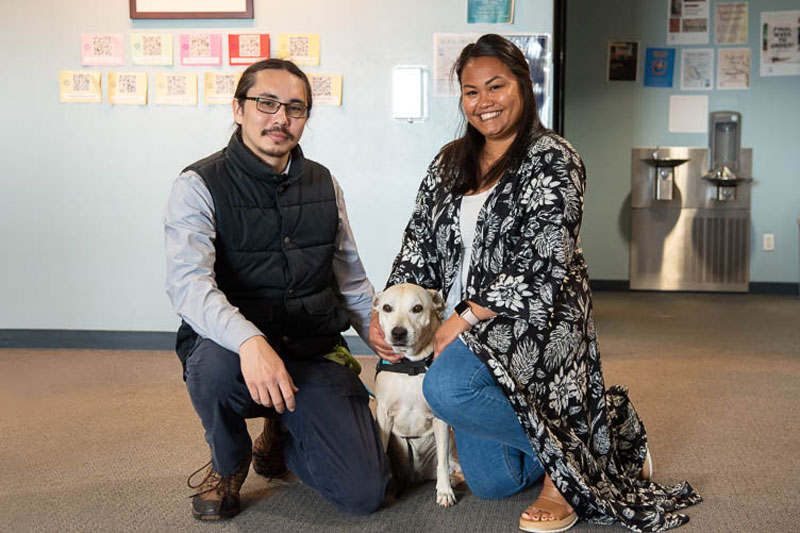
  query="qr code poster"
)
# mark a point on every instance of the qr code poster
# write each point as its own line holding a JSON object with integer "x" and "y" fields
{"x": 301, "y": 48}
{"x": 220, "y": 87}
{"x": 326, "y": 89}
{"x": 176, "y": 88}
{"x": 127, "y": 88}
{"x": 102, "y": 49}
{"x": 201, "y": 49}
{"x": 246, "y": 49}
{"x": 151, "y": 49}
{"x": 80, "y": 86}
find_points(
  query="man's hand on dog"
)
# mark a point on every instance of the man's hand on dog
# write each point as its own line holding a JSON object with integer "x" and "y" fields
{"x": 378, "y": 341}
{"x": 265, "y": 375}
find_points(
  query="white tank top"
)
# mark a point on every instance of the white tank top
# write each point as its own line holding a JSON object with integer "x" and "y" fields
{"x": 470, "y": 209}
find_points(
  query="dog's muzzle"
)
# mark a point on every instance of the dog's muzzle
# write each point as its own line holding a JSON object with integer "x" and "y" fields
{"x": 399, "y": 335}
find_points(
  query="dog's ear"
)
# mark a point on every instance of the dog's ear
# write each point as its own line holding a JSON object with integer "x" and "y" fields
{"x": 438, "y": 302}
{"x": 376, "y": 301}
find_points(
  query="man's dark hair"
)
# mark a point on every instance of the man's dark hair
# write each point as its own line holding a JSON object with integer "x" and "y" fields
{"x": 248, "y": 79}
{"x": 460, "y": 159}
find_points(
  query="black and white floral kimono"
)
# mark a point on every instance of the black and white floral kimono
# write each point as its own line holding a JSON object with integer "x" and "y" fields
{"x": 528, "y": 267}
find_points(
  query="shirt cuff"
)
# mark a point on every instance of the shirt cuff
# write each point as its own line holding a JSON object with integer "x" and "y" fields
{"x": 237, "y": 333}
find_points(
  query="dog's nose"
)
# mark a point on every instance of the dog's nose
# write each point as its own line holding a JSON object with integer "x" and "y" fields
{"x": 399, "y": 334}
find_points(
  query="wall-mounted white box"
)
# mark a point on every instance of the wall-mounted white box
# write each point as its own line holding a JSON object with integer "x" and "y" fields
{"x": 409, "y": 93}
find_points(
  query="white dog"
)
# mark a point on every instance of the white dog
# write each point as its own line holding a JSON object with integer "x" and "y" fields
{"x": 418, "y": 442}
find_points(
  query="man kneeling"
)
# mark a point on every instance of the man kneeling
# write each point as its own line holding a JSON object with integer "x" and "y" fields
{"x": 263, "y": 269}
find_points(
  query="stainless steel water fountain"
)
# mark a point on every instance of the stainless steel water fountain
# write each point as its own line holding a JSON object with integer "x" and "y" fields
{"x": 690, "y": 213}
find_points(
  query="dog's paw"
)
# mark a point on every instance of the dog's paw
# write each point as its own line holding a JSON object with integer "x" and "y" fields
{"x": 445, "y": 498}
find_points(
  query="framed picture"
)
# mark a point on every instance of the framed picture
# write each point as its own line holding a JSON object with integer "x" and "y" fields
{"x": 187, "y": 9}
{"x": 622, "y": 59}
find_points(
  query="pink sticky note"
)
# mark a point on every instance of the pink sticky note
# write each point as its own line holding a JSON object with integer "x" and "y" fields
{"x": 102, "y": 49}
{"x": 201, "y": 49}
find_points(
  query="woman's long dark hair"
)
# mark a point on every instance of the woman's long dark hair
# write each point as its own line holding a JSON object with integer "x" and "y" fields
{"x": 460, "y": 159}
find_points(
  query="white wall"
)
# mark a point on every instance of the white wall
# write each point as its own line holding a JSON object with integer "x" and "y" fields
{"x": 84, "y": 185}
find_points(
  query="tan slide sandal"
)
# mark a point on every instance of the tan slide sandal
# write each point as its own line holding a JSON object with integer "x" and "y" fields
{"x": 549, "y": 503}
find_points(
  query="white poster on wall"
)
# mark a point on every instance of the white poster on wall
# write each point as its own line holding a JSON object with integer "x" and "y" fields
{"x": 697, "y": 69}
{"x": 535, "y": 46}
{"x": 780, "y": 43}
{"x": 733, "y": 68}
{"x": 730, "y": 23}
{"x": 687, "y": 21}
{"x": 446, "y": 49}
{"x": 688, "y": 114}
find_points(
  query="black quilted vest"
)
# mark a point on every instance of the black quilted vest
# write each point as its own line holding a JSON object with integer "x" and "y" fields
{"x": 274, "y": 249}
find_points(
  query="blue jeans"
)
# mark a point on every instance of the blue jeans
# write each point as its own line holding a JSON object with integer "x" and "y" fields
{"x": 496, "y": 456}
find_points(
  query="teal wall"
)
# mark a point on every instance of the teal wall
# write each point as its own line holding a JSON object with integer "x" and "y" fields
{"x": 605, "y": 119}
{"x": 84, "y": 185}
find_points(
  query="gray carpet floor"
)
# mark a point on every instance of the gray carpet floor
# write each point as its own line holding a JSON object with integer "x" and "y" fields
{"x": 104, "y": 440}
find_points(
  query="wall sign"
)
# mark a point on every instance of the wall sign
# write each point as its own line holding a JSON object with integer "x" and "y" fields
{"x": 188, "y": 9}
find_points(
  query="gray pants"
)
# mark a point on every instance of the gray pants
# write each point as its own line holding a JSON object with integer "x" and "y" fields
{"x": 332, "y": 444}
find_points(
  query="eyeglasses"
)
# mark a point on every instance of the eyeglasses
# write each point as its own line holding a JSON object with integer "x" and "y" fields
{"x": 271, "y": 106}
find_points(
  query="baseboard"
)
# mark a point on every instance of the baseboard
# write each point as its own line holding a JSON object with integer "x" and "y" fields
{"x": 87, "y": 339}
{"x": 756, "y": 287}
{"x": 165, "y": 340}
{"x": 613, "y": 285}
{"x": 113, "y": 340}
{"x": 774, "y": 287}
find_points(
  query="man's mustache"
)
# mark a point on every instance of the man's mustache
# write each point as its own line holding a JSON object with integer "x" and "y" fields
{"x": 279, "y": 129}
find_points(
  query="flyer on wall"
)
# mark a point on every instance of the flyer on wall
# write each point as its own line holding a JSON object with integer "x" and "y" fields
{"x": 697, "y": 66}
{"x": 326, "y": 89}
{"x": 780, "y": 43}
{"x": 659, "y": 65}
{"x": 102, "y": 49}
{"x": 733, "y": 68}
{"x": 127, "y": 88}
{"x": 622, "y": 59}
{"x": 151, "y": 49}
{"x": 730, "y": 23}
{"x": 201, "y": 49}
{"x": 490, "y": 11}
{"x": 446, "y": 49}
{"x": 687, "y": 21}
{"x": 300, "y": 48}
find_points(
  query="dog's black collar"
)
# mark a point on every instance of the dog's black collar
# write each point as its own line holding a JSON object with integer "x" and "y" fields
{"x": 404, "y": 366}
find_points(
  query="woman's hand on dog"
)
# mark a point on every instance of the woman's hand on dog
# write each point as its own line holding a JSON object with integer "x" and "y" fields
{"x": 265, "y": 375}
{"x": 455, "y": 326}
{"x": 447, "y": 333}
{"x": 377, "y": 340}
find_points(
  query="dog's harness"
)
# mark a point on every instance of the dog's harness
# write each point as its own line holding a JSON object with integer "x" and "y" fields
{"x": 405, "y": 366}
{"x": 411, "y": 368}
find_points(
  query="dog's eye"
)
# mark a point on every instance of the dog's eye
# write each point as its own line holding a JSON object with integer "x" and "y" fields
{"x": 387, "y": 308}
{"x": 417, "y": 308}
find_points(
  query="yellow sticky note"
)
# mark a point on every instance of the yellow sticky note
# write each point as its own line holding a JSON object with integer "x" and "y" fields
{"x": 326, "y": 89}
{"x": 80, "y": 86}
{"x": 176, "y": 88}
{"x": 127, "y": 88}
{"x": 301, "y": 48}
{"x": 220, "y": 87}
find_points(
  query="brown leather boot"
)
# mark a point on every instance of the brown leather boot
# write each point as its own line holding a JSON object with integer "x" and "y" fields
{"x": 268, "y": 460}
{"x": 217, "y": 497}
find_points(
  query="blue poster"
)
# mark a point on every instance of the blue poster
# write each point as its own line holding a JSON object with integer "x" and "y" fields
{"x": 659, "y": 64}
